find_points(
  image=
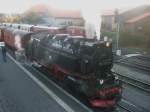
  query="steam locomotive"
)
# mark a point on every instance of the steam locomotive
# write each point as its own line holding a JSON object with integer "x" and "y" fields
{"x": 84, "y": 63}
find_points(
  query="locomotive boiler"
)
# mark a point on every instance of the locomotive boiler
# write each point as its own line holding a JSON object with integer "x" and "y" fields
{"x": 84, "y": 63}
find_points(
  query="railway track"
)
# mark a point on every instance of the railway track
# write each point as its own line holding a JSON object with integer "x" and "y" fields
{"x": 134, "y": 82}
{"x": 124, "y": 108}
{"x": 144, "y": 58}
{"x": 139, "y": 62}
{"x": 127, "y": 106}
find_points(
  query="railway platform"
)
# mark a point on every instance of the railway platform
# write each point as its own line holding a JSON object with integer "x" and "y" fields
{"x": 18, "y": 93}
{"x": 22, "y": 92}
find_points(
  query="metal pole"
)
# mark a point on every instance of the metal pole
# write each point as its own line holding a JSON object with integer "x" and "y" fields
{"x": 117, "y": 21}
{"x": 117, "y": 35}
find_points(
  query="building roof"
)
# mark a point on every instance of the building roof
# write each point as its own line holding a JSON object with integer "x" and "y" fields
{"x": 67, "y": 14}
{"x": 58, "y": 13}
{"x": 138, "y": 18}
{"x": 124, "y": 10}
{"x": 112, "y": 11}
{"x": 39, "y": 8}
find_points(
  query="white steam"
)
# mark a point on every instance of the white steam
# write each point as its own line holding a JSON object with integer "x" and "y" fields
{"x": 18, "y": 43}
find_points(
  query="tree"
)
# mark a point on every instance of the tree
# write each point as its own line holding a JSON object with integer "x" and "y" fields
{"x": 139, "y": 38}
{"x": 32, "y": 18}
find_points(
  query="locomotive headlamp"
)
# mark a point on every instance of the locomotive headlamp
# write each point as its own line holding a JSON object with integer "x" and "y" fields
{"x": 86, "y": 61}
{"x": 107, "y": 44}
{"x": 101, "y": 81}
{"x": 116, "y": 77}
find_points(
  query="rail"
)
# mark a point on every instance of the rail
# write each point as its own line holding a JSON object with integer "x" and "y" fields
{"x": 138, "y": 65}
{"x": 124, "y": 108}
{"x": 142, "y": 63}
{"x": 134, "y": 82}
{"x": 144, "y": 58}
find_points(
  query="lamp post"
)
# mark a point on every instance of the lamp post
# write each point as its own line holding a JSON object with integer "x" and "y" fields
{"x": 117, "y": 28}
{"x": 117, "y": 35}
{"x": 117, "y": 21}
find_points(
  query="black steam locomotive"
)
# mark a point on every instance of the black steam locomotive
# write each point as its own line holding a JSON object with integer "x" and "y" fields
{"x": 85, "y": 63}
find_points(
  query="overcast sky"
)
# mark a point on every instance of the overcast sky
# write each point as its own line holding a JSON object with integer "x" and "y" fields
{"x": 90, "y": 8}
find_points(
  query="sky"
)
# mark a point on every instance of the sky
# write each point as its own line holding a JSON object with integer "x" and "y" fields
{"x": 90, "y": 8}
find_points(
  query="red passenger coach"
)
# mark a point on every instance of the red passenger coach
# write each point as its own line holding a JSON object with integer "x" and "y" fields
{"x": 76, "y": 31}
{"x": 8, "y": 38}
{"x": 15, "y": 39}
{"x": 21, "y": 39}
{"x": 2, "y": 34}
{"x": 54, "y": 30}
{"x": 72, "y": 30}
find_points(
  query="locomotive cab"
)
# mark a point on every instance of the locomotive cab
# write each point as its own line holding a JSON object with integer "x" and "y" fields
{"x": 96, "y": 56}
